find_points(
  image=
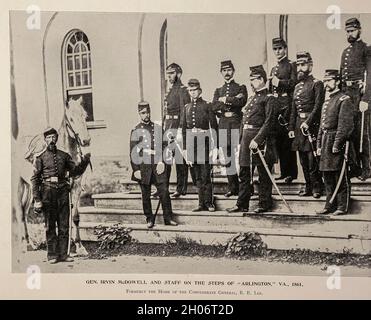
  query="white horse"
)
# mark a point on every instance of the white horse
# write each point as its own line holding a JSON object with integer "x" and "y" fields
{"x": 73, "y": 135}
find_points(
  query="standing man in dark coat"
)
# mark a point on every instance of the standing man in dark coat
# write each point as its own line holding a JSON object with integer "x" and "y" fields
{"x": 337, "y": 124}
{"x": 353, "y": 72}
{"x": 176, "y": 98}
{"x": 282, "y": 83}
{"x": 227, "y": 103}
{"x": 305, "y": 116}
{"x": 147, "y": 151}
{"x": 199, "y": 129}
{"x": 257, "y": 127}
{"x": 50, "y": 188}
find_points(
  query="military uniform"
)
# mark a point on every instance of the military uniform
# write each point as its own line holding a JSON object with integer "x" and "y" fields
{"x": 175, "y": 100}
{"x": 336, "y": 128}
{"x": 285, "y": 71}
{"x": 353, "y": 66}
{"x": 307, "y": 102}
{"x": 147, "y": 150}
{"x": 258, "y": 121}
{"x": 230, "y": 115}
{"x": 50, "y": 186}
{"x": 198, "y": 141}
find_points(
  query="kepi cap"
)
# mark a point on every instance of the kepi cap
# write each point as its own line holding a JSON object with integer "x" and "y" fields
{"x": 257, "y": 72}
{"x": 226, "y": 64}
{"x": 194, "y": 84}
{"x": 143, "y": 105}
{"x": 174, "y": 67}
{"x": 49, "y": 130}
{"x": 303, "y": 57}
{"x": 331, "y": 74}
{"x": 352, "y": 23}
{"x": 278, "y": 42}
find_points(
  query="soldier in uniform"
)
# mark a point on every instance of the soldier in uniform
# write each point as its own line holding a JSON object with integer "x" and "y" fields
{"x": 176, "y": 98}
{"x": 259, "y": 117}
{"x": 200, "y": 143}
{"x": 50, "y": 188}
{"x": 282, "y": 84}
{"x": 305, "y": 114}
{"x": 336, "y": 127}
{"x": 353, "y": 72}
{"x": 147, "y": 150}
{"x": 227, "y": 103}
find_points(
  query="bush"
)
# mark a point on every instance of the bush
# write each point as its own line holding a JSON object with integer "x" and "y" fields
{"x": 248, "y": 244}
{"x": 112, "y": 237}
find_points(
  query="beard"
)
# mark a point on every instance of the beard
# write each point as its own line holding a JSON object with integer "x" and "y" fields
{"x": 353, "y": 39}
{"x": 52, "y": 146}
{"x": 302, "y": 75}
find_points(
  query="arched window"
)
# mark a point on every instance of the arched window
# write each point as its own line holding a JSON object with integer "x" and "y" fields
{"x": 77, "y": 71}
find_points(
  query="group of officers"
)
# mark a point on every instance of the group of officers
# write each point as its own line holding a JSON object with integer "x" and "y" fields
{"x": 327, "y": 122}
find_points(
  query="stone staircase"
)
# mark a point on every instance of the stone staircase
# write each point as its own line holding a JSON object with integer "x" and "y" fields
{"x": 302, "y": 229}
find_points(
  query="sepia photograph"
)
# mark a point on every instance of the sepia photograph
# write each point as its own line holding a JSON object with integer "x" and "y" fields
{"x": 185, "y": 143}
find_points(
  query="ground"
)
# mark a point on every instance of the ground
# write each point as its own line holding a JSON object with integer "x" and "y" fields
{"x": 182, "y": 265}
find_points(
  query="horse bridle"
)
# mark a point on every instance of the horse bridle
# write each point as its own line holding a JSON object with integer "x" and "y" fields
{"x": 77, "y": 138}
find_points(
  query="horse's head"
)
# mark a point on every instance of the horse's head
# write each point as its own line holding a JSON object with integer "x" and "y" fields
{"x": 76, "y": 122}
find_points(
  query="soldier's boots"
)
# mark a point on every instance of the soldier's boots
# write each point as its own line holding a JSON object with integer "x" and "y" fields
{"x": 230, "y": 194}
{"x": 339, "y": 212}
{"x": 324, "y": 211}
{"x": 237, "y": 209}
{"x": 171, "y": 223}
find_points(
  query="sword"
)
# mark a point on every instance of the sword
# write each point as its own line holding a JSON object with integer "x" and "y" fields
{"x": 70, "y": 223}
{"x": 362, "y": 130}
{"x": 170, "y": 137}
{"x": 271, "y": 178}
{"x": 306, "y": 133}
{"x": 342, "y": 172}
{"x": 282, "y": 122}
{"x": 157, "y": 208}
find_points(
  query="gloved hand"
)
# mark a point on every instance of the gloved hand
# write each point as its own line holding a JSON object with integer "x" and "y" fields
{"x": 160, "y": 168}
{"x": 291, "y": 134}
{"x": 318, "y": 151}
{"x": 363, "y": 106}
{"x": 253, "y": 145}
{"x": 38, "y": 207}
{"x": 137, "y": 175}
{"x": 335, "y": 150}
{"x": 87, "y": 156}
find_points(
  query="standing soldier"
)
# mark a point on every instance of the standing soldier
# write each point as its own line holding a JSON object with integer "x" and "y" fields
{"x": 282, "y": 84}
{"x": 227, "y": 103}
{"x": 257, "y": 125}
{"x": 353, "y": 72}
{"x": 304, "y": 119}
{"x": 146, "y": 156}
{"x": 176, "y": 98}
{"x": 336, "y": 127}
{"x": 50, "y": 188}
{"x": 199, "y": 127}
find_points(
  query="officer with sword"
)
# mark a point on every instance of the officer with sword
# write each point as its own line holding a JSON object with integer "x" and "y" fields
{"x": 282, "y": 81}
{"x": 304, "y": 122}
{"x": 333, "y": 145}
{"x": 354, "y": 69}
{"x": 256, "y": 139}
{"x": 200, "y": 143}
{"x": 148, "y": 158}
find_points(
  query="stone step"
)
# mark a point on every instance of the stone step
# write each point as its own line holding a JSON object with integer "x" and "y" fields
{"x": 283, "y": 239}
{"x": 221, "y": 187}
{"x": 355, "y": 224}
{"x": 302, "y": 205}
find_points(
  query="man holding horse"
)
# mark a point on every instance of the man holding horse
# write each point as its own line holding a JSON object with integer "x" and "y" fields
{"x": 50, "y": 188}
